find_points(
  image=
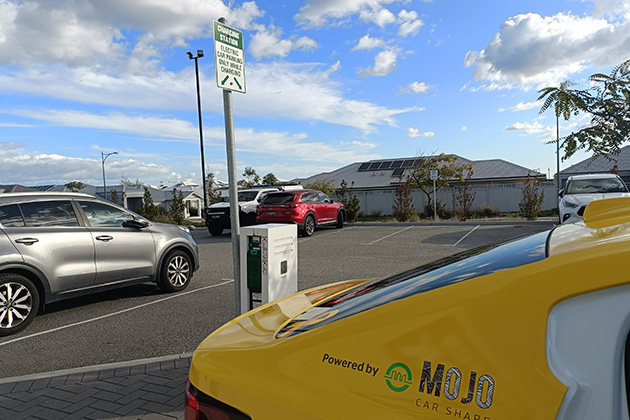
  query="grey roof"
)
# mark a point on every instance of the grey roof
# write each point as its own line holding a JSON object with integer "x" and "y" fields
{"x": 601, "y": 163}
{"x": 497, "y": 170}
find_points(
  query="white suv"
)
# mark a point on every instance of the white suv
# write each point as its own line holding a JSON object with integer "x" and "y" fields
{"x": 582, "y": 189}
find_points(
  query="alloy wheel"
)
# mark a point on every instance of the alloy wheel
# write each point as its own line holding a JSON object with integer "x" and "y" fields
{"x": 16, "y": 303}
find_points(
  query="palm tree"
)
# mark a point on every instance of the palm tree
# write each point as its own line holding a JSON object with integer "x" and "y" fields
{"x": 565, "y": 102}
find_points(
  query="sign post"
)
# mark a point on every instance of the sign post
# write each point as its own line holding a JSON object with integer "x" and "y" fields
{"x": 229, "y": 59}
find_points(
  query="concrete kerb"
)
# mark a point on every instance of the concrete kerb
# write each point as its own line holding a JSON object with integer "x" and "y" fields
{"x": 95, "y": 368}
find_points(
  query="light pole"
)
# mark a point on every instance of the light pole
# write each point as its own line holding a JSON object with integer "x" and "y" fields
{"x": 104, "y": 157}
{"x": 203, "y": 161}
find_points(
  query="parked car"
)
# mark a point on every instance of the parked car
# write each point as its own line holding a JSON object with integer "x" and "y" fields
{"x": 306, "y": 208}
{"x": 536, "y": 328}
{"x": 55, "y": 246}
{"x": 218, "y": 214}
{"x": 582, "y": 189}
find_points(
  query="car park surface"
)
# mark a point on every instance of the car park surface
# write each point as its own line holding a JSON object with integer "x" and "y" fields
{"x": 462, "y": 337}
{"x": 141, "y": 322}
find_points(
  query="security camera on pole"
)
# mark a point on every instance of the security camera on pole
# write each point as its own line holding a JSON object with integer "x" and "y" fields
{"x": 229, "y": 59}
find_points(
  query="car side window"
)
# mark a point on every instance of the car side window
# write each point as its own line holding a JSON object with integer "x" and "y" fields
{"x": 308, "y": 198}
{"x": 10, "y": 216}
{"x": 104, "y": 215}
{"x": 322, "y": 198}
{"x": 49, "y": 213}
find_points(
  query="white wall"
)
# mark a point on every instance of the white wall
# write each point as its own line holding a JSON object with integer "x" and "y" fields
{"x": 502, "y": 197}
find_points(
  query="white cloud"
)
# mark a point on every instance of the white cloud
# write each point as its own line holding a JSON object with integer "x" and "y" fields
{"x": 92, "y": 32}
{"x": 415, "y": 133}
{"x": 319, "y": 12}
{"x": 381, "y": 17}
{"x": 464, "y": 128}
{"x": 531, "y": 49}
{"x": 384, "y": 63}
{"x": 267, "y": 42}
{"x": 416, "y": 87}
{"x": 528, "y": 128}
{"x": 409, "y": 23}
{"x": 368, "y": 43}
{"x": 522, "y": 106}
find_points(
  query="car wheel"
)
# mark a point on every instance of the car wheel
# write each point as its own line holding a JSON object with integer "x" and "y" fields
{"x": 340, "y": 219}
{"x": 177, "y": 270}
{"x": 19, "y": 302}
{"x": 309, "y": 225}
{"x": 215, "y": 230}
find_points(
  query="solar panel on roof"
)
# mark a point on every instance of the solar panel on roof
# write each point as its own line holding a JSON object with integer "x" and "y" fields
{"x": 364, "y": 166}
{"x": 398, "y": 171}
{"x": 385, "y": 165}
{"x": 408, "y": 163}
{"x": 374, "y": 166}
{"x": 397, "y": 163}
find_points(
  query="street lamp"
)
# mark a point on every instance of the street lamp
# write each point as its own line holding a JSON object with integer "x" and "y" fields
{"x": 104, "y": 157}
{"x": 203, "y": 162}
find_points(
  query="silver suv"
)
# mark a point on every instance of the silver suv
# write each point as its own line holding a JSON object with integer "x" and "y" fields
{"x": 55, "y": 246}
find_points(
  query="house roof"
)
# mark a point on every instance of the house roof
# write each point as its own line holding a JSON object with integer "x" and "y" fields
{"x": 386, "y": 172}
{"x": 601, "y": 164}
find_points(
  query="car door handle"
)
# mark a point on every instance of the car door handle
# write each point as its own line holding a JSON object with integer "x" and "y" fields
{"x": 27, "y": 241}
{"x": 104, "y": 238}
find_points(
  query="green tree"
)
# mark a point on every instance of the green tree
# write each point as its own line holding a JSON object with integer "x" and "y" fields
{"x": 449, "y": 168}
{"x": 270, "y": 179}
{"x": 607, "y": 102}
{"x": 532, "y": 200}
{"x": 114, "y": 195}
{"x": 148, "y": 208}
{"x": 403, "y": 202}
{"x": 178, "y": 207}
{"x": 75, "y": 186}
{"x": 251, "y": 177}
{"x": 350, "y": 200}
{"x": 213, "y": 195}
{"x": 327, "y": 187}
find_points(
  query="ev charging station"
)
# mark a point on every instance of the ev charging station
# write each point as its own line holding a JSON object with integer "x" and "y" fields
{"x": 268, "y": 263}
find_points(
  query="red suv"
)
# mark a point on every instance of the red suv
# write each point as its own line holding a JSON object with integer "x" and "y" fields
{"x": 307, "y": 208}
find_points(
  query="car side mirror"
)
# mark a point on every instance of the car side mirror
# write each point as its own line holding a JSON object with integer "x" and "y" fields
{"x": 561, "y": 193}
{"x": 136, "y": 224}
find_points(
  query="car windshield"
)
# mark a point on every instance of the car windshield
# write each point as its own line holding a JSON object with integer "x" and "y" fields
{"x": 596, "y": 186}
{"x": 280, "y": 198}
{"x": 247, "y": 195}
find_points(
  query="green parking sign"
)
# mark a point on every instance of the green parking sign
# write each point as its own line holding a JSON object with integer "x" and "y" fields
{"x": 229, "y": 57}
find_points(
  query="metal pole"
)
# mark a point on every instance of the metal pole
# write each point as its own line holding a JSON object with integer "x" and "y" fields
{"x": 558, "y": 164}
{"x": 232, "y": 181}
{"x": 104, "y": 184}
{"x": 203, "y": 162}
{"x": 434, "y": 202}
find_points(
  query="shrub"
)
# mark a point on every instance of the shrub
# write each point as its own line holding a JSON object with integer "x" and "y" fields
{"x": 486, "y": 211}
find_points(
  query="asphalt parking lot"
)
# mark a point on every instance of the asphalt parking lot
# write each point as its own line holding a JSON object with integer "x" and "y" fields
{"x": 141, "y": 322}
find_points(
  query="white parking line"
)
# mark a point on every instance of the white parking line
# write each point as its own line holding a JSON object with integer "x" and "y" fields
{"x": 98, "y": 318}
{"x": 466, "y": 235}
{"x": 389, "y": 236}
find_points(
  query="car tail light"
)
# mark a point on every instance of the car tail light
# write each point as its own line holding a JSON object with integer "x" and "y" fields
{"x": 191, "y": 409}
{"x": 203, "y": 407}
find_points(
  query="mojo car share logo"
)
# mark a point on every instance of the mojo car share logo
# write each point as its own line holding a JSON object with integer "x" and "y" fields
{"x": 398, "y": 377}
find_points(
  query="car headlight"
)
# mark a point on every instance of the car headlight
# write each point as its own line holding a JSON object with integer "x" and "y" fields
{"x": 184, "y": 228}
{"x": 570, "y": 204}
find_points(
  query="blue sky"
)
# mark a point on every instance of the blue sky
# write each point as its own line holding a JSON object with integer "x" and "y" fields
{"x": 329, "y": 83}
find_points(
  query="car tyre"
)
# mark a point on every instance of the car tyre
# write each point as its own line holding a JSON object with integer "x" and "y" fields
{"x": 309, "y": 225}
{"x": 341, "y": 217}
{"x": 19, "y": 303}
{"x": 176, "y": 272}
{"x": 215, "y": 230}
